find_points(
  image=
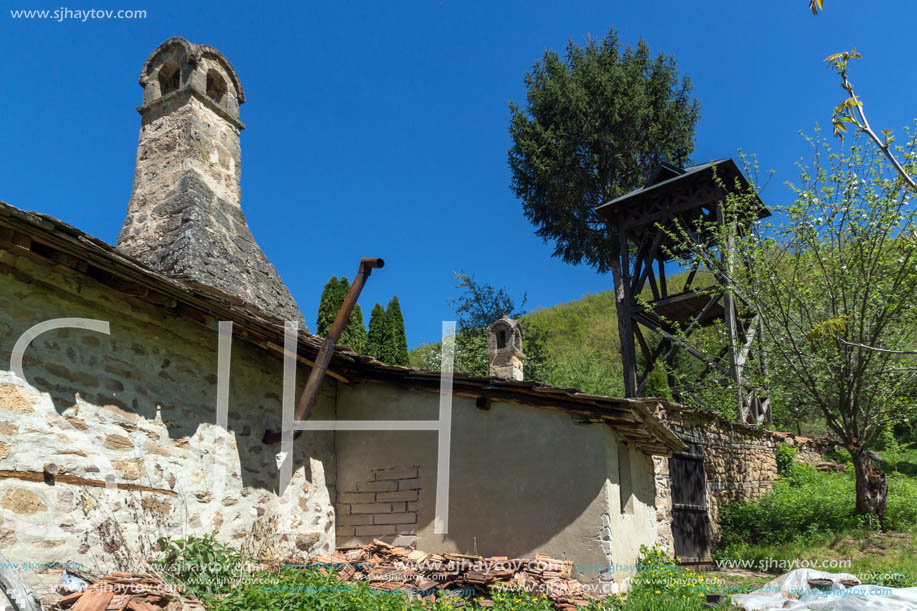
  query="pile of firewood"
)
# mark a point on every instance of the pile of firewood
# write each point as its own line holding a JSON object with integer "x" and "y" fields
{"x": 419, "y": 574}
{"x": 128, "y": 592}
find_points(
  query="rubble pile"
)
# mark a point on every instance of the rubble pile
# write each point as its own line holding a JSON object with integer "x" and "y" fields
{"x": 128, "y": 592}
{"x": 385, "y": 567}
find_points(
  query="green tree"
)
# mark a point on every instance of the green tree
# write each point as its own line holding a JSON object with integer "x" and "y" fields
{"x": 476, "y": 307}
{"x": 834, "y": 283}
{"x": 376, "y": 341}
{"x": 354, "y": 333}
{"x": 595, "y": 124}
{"x": 328, "y": 306}
{"x": 397, "y": 337}
{"x": 479, "y": 305}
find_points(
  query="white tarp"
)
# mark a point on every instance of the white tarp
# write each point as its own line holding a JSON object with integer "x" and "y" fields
{"x": 792, "y": 591}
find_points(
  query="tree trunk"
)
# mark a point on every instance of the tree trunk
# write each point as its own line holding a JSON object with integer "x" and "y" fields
{"x": 871, "y": 485}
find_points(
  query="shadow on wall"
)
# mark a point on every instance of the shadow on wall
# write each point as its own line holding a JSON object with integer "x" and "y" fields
{"x": 157, "y": 369}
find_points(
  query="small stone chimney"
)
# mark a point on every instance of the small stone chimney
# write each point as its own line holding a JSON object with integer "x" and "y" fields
{"x": 504, "y": 349}
{"x": 185, "y": 215}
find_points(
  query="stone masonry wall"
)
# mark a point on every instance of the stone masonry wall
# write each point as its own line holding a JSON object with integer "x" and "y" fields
{"x": 740, "y": 463}
{"x": 383, "y": 505}
{"x": 184, "y": 217}
{"x": 139, "y": 405}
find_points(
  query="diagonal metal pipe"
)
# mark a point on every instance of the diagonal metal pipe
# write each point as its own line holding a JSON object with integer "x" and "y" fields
{"x": 307, "y": 400}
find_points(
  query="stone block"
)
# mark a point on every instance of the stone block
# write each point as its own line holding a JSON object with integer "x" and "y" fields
{"x": 375, "y": 530}
{"x": 394, "y": 473}
{"x": 371, "y": 508}
{"x": 401, "y": 495}
{"x": 356, "y": 520}
{"x": 356, "y": 497}
{"x": 382, "y": 486}
{"x": 395, "y": 518}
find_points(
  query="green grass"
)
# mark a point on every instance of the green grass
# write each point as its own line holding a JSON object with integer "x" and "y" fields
{"x": 659, "y": 585}
{"x": 305, "y": 590}
{"x": 581, "y": 340}
{"x": 810, "y": 518}
{"x": 810, "y": 502}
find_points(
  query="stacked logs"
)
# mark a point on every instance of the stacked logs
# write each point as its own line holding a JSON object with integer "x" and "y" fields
{"x": 458, "y": 577}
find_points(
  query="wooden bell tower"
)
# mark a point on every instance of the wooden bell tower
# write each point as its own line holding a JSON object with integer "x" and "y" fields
{"x": 688, "y": 198}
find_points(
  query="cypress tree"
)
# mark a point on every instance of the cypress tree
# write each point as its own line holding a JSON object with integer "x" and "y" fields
{"x": 328, "y": 306}
{"x": 398, "y": 340}
{"x": 342, "y": 290}
{"x": 376, "y": 340}
{"x": 354, "y": 332}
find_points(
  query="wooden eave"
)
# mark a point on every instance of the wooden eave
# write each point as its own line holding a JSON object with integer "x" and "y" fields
{"x": 53, "y": 242}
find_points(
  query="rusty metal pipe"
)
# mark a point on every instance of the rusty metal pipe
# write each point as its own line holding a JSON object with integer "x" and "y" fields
{"x": 307, "y": 400}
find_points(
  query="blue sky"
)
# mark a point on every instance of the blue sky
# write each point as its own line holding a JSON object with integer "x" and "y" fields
{"x": 380, "y": 128}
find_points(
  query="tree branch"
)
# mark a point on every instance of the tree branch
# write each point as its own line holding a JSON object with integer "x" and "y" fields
{"x": 873, "y": 348}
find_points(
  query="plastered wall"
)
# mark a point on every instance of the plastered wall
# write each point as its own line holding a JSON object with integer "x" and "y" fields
{"x": 522, "y": 479}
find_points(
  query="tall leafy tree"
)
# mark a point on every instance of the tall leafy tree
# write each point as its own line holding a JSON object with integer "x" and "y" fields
{"x": 354, "y": 333}
{"x": 479, "y": 305}
{"x": 397, "y": 338}
{"x": 376, "y": 340}
{"x": 594, "y": 125}
{"x": 328, "y": 306}
{"x": 834, "y": 283}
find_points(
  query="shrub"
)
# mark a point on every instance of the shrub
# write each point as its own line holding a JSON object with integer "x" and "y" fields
{"x": 661, "y": 584}
{"x": 786, "y": 456}
{"x": 202, "y": 565}
{"x": 808, "y": 502}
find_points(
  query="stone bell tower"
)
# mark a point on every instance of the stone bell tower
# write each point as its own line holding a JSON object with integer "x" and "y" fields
{"x": 185, "y": 216}
{"x": 504, "y": 349}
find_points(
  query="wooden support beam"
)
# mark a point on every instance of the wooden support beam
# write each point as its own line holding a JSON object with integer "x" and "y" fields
{"x": 689, "y": 294}
{"x": 644, "y": 348}
{"x": 684, "y": 344}
{"x": 729, "y": 306}
{"x": 694, "y": 267}
{"x": 672, "y": 347}
{"x": 706, "y": 369}
{"x": 653, "y": 287}
{"x": 663, "y": 345}
{"x": 625, "y": 321}
{"x": 641, "y": 270}
{"x": 746, "y": 344}
{"x": 279, "y": 349}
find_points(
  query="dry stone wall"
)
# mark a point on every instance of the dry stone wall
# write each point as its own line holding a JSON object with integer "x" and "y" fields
{"x": 740, "y": 463}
